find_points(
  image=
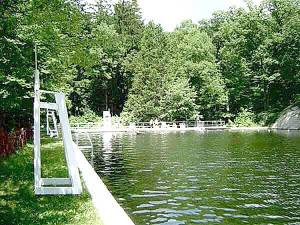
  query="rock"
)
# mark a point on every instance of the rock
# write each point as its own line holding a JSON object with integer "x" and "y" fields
{"x": 289, "y": 118}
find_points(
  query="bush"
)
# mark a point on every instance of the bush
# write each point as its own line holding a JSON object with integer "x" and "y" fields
{"x": 245, "y": 118}
{"x": 268, "y": 118}
{"x": 88, "y": 117}
{"x": 127, "y": 117}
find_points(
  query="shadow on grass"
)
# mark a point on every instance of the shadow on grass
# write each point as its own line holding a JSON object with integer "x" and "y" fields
{"x": 19, "y": 205}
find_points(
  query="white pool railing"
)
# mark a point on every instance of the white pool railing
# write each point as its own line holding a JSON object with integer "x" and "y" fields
{"x": 148, "y": 125}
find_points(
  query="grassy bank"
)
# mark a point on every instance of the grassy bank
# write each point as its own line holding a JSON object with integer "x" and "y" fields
{"x": 18, "y": 203}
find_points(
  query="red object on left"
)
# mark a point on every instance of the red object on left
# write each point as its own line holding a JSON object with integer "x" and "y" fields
{"x": 17, "y": 139}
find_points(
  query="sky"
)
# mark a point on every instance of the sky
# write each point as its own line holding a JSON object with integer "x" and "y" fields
{"x": 170, "y": 13}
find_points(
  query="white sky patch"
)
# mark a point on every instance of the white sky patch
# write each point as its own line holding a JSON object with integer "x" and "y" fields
{"x": 170, "y": 13}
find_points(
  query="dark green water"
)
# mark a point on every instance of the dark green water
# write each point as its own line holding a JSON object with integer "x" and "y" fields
{"x": 195, "y": 178}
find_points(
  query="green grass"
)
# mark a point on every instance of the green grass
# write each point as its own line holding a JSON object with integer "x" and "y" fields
{"x": 19, "y": 204}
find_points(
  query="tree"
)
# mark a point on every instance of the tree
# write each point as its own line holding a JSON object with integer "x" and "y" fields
{"x": 179, "y": 101}
{"x": 239, "y": 60}
{"x": 128, "y": 21}
{"x": 257, "y": 50}
{"x": 15, "y": 73}
{"x": 149, "y": 75}
{"x": 185, "y": 56}
{"x": 194, "y": 54}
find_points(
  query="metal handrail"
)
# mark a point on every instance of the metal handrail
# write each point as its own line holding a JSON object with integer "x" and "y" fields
{"x": 160, "y": 124}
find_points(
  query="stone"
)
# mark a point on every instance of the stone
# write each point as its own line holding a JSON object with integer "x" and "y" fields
{"x": 289, "y": 119}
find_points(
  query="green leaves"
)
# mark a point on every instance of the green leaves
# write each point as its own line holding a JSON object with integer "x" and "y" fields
{"x": 257, "y": 55}
{"x": 179, "y": 101}
{"x": 173, "y": 73}
{"x": 239, "y": 59}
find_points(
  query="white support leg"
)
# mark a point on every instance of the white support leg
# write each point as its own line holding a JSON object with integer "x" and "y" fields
{"x": 37, "y": 143}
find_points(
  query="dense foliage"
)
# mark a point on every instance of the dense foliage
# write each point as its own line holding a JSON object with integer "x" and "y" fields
{"x": 241, "y": 60}
{"x": 258, "y": 53}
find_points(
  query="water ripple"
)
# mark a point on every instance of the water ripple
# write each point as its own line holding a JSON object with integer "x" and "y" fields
{"x": 202, "y": 178}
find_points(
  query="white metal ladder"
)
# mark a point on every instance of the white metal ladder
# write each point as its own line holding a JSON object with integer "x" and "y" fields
{"x": 89, "y": 145}
{"x": 51, "y": 115}
{"x": 86, "y": 134}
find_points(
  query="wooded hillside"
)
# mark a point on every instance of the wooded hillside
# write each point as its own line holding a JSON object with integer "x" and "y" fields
{"x": 242, "y": 62}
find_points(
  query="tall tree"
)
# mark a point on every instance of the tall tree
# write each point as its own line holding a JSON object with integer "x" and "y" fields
{"x": 194, "y": 55}
{"x": 167, "y": 64}
{"x": 129, "y": 23}
{"x": 258, "y": 52}
{"x": 15, "y": 66}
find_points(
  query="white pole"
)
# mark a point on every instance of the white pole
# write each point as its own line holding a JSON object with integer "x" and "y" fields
{"x": 36, "y": 112}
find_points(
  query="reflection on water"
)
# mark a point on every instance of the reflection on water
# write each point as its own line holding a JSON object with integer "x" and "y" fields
{"x": 195, "y": 178}
{"x": 288, "y": 133}
{"x": 107, "y": 142}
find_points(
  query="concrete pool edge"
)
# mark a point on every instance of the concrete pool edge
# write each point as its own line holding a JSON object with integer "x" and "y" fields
{"x": 108, "y": 209}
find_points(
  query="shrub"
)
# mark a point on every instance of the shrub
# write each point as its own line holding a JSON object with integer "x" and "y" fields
{"x": 245, "y": 118}
{"x": 88, "y": 117}
{"x": 268, "y": 118}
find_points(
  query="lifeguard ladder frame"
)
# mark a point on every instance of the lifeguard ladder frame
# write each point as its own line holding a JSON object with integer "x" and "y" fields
{"x": 54, "y": 186}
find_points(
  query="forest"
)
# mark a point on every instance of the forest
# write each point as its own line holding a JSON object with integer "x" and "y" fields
{"x": 239, "y": 64}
